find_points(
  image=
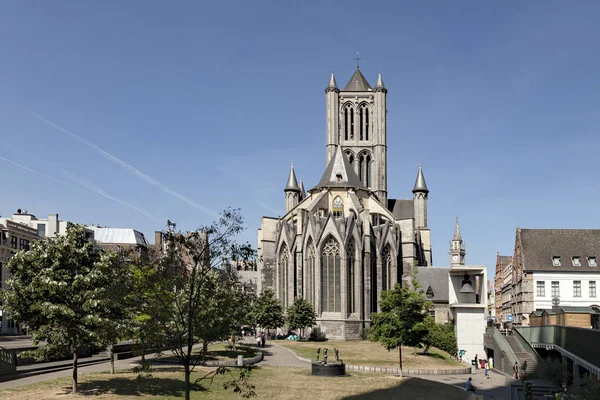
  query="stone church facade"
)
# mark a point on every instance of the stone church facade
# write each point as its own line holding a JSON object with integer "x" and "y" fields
{"x": 343, "y": 242}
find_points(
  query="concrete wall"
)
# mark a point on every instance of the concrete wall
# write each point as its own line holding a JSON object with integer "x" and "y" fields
{"x": 470, "y": 328}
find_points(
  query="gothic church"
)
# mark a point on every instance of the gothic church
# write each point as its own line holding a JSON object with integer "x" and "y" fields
{"x": 343, "y": 242}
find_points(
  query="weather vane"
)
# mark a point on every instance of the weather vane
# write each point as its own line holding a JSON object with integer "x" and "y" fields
{"x": 357, "y": 60}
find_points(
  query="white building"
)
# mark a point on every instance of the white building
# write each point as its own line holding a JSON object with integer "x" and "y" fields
{"x": 49, "y": 227}
{"x": 559, "y": 264}
{"x": 468, "y": 299}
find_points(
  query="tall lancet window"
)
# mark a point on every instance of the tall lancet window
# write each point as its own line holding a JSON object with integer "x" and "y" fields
{"x": 331, "y": 277}
{"x": 368, "y": 171}
{"x": 350, "y": 274}
{"x": 386, "y": 268}
{"x": 361, "y": 167}
{"x": 283, "y": 275}
{"x": 348, "y": 122}
{"x": 310, "y": 273}
{"x": 364, "y": 122}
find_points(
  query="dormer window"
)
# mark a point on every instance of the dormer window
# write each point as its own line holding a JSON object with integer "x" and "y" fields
{"x": 429, "y": 293}
{"x": 339, "y": 177}
{"x": 556, "y": 261}
{"x": 576, "y": 261}
{"x": 592, "y": 261}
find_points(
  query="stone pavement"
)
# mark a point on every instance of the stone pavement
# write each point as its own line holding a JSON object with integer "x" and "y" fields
{"x": 276, "y": 355}
{"x": 497, "y": 387}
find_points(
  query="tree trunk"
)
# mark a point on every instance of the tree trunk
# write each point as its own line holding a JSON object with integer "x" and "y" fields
{"x": 143, "y": 347}
{"x": 112, "y": 359}
{"x": 75, "y": 369}
{"x": 400, "y": 358}
{"x": 204, "y": 349}
{"x": 187, "y": 381}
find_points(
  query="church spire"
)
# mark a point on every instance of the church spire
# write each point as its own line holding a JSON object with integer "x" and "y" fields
{"x": 302, "y": 191}
{"x": 379, "y": 84}
{"x": 332, "y": 83}
{"x": 292, "y": 183}
{"x": 457, "y": 236}
{"x": 420, "y": 185}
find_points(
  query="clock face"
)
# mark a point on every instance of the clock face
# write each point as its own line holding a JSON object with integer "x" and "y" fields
{"x": 455, "y": 258}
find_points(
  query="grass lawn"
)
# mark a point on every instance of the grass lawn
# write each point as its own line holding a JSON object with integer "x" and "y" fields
{"x": 363, "y": 352}
{"x": 219, "y": 351}
{"x": 271, "y": 383}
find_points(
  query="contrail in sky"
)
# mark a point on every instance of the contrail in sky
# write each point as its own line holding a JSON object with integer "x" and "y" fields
{"x": 239, "y": 115}
{"x": 87, "y": 185}
{"x": 131, "y": 169}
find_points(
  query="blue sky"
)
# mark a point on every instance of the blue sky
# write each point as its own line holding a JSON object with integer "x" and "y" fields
{"x": 139, "y": 112}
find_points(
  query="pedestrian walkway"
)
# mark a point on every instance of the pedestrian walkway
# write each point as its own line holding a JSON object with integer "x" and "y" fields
{"x": 277, "y": 356}
{"x": 497, "y": 387}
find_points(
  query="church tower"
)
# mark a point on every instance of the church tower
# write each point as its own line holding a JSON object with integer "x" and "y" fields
{"x": 356, "y": 120}
{"x": 292, "y": 191}
{"x": 457, "y": 248}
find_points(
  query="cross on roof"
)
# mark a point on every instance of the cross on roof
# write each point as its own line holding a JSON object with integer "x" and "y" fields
{"x": 357, "y": 58}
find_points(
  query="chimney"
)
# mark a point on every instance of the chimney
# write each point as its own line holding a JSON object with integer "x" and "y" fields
{"x": 158, "y": 239}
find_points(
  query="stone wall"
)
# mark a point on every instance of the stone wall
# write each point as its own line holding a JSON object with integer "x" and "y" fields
{"x": 341, "y": 329}
{"x": 501, "y": 360}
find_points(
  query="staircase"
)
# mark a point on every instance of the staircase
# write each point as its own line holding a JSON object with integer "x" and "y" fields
{"x": 522, "y": 356}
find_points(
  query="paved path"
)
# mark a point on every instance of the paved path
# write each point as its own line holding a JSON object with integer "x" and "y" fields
{"x": 277, "y": 356}
{"x": 497, "y": 387}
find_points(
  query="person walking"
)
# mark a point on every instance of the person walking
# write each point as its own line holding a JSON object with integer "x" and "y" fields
{"x": 523, "y": 369}
{"x": 491, "y": 362}
{"x": 516, "y": 370}
{"x": 258, "y": 341}
{"x": 487, "y": 369}
{"x": 263, "y": 339}
{"x": 476, "y": 362}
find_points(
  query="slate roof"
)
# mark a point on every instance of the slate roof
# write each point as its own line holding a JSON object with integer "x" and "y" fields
{"x": 420, "y": 185}
{"x": 537, "y": 313}
{"x": 538, "y": 246}
{"x": 357, "y": 83}
{"x": 549, "y": 312}
{"x": 292, "y": 183}
{"x": 339, "y": 165}
{"x": 437, "y": 279}
{"x": 402, "y": 209}
{"x": 505, "y": 260}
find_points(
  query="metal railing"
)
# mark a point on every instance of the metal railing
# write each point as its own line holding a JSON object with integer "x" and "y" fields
{"x": 502, "y": 344}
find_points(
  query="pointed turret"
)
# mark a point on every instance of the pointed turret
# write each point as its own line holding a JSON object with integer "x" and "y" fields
{"x": 332, "y": 83}
{"x": 339, "y": 173}
{"x": 357, "y": 83}
{"x": 457, "y": 236}
{"x": 292, "y": 183}
{"x": 302, "y": 191}
{"x": 420, "y": 185}
{"x": 379, "y": 85}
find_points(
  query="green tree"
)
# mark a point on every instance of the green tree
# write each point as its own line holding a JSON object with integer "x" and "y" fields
{"x": 188, "y": 297}
{"x": 267, "y": 312}
{"x": 68, "y": 292}
{"x": 441, "y": 336}
{"x": 401, "y": 321}
{"x": 300, "y": 315}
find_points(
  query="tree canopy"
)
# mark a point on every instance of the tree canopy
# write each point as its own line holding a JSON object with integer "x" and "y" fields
{"x": 401, "y": 319}
{"x": 267, "y": 312}
{"x": 68, "y": 292}
{"x": 300, "y": 315}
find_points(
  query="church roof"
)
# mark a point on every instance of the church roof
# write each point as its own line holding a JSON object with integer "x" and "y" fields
{"x": 332, "y": 82}
{"x": 379, "y": 84}
{"x": 292, "y": 183}
{"x": 339, "y": 173}
{"x": 437, "y": 279}
{"x": 457, "y": 232}
{"x": 402, "y": 209}
{"x": 357, "y": 83}
{"x": 420, "y": 185}
{"x": 302, "y": 191}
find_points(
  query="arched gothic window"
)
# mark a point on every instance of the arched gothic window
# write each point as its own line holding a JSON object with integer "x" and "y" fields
{"x": 283, "y": 275}
{"x": 386, "y": 268}
{"x": 350, "y": 157}
{"x": 331, "y": 277}
{"x": 350, "y": 289}
{"x": 364, "y": 122}
{"x": 310, "y": 277}
{"x": 348, "y": 122}
{"x": 364, "y": 168}
{"x": 368, "y": 171}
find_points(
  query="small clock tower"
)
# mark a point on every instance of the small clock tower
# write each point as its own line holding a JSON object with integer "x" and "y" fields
{"x": 457, "y": 248}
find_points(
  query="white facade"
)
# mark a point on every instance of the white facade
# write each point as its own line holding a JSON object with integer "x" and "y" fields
{"x": 568, "y": 294}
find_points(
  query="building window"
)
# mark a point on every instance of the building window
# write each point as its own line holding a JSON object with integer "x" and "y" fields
{"x": 42, "y": 230}
{"x": 432, "y": 311}
{"x": 592, "y": 262}
{"x": 386, "y": 268}
{"x": 349, "y": 122}
{"x": 24, "y": 244}
{"x": 283, "y": 275}
{"x": 541, "y": 288}
{"x": 576, "y": 288}
{"x": 555, "y": 289}
{"x": 556, "y": 261}
{"x": 576, "y": 261}
{"x": 310, "y": 286}
{"x": 13, "y": 242}
{"x": 330, "y": 277}
{"x": 364, "y": 122}
{"x": 592, "y": 288}
{"x": 350, "y": 278}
